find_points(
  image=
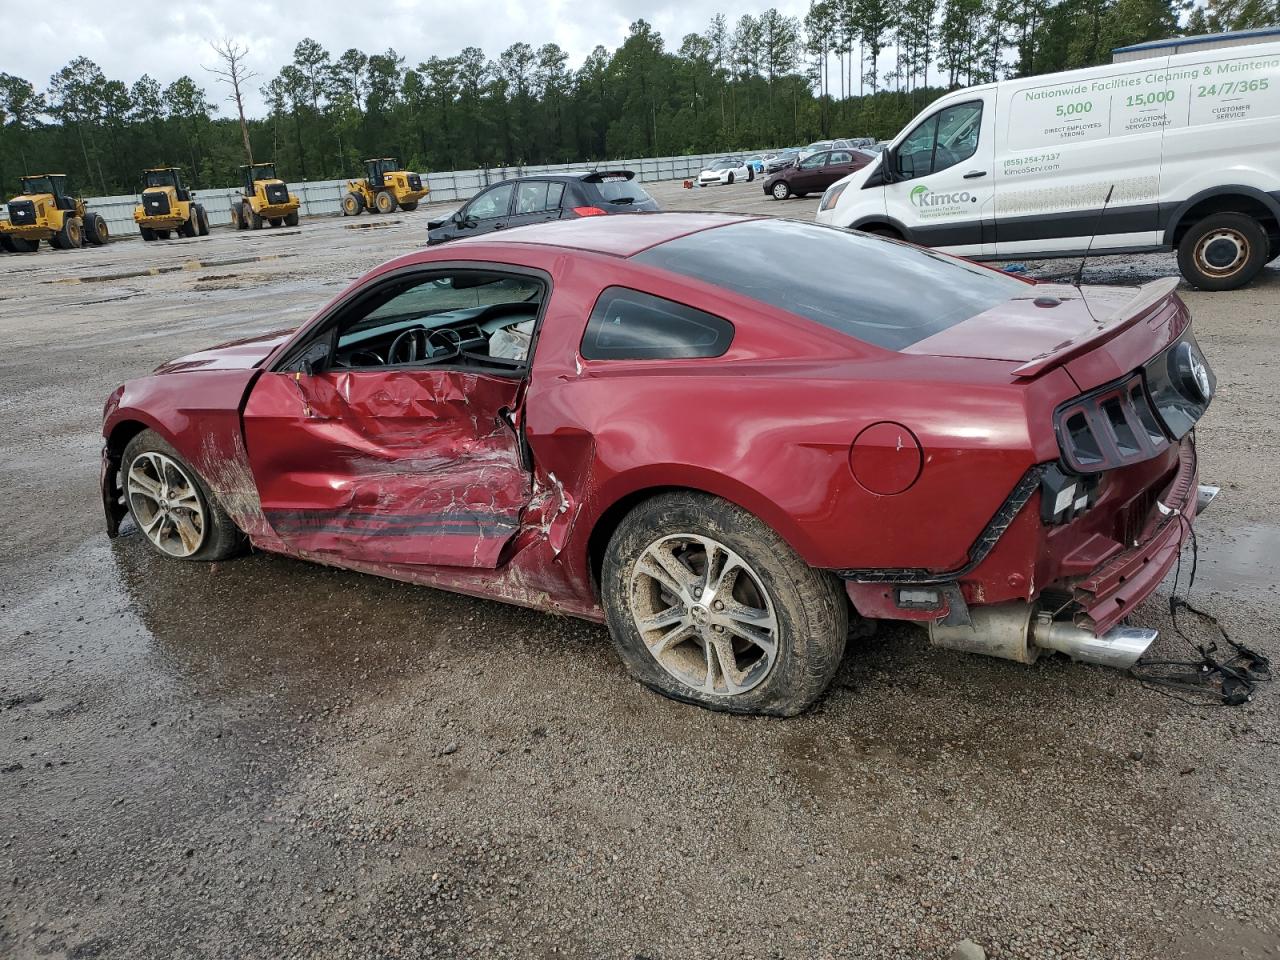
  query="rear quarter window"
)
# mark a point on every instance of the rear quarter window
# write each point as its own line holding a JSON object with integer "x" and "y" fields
{"x": 629, "y": 325}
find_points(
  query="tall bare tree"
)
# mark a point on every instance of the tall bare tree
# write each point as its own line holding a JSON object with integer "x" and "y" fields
{"x": 234, "y": 74}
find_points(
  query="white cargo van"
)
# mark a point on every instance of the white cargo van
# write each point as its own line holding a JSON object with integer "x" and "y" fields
{"x": 1183, "y": 134}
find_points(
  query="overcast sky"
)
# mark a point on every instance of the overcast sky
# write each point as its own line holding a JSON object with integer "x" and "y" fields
{"x": 166, "y": 39}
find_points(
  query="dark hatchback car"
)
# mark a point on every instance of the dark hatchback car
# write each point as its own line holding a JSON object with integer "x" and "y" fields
{"x": 815, "y": 173}
{"x": 525, "y": 200}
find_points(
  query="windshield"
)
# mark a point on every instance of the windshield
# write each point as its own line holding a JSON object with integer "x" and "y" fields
{"x": 723, "y": 165}
{"x": 161, "y": 178}
{"x": 264, "y": 171}
{"x": 888, "y": 294}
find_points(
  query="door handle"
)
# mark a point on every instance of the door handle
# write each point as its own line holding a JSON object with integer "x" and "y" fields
{"x": 975, "y": 174}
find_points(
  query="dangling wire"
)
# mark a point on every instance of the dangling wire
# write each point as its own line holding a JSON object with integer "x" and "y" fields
{"x": 1211, "y": 679}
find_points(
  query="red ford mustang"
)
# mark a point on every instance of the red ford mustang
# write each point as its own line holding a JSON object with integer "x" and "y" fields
{"x": 723, "y": 436}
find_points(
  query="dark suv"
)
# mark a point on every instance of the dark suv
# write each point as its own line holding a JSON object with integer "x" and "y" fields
{"x": 535, "y": 199}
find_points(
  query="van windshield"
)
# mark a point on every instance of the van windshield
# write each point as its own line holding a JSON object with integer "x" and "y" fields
{"x": 888, "y": 294}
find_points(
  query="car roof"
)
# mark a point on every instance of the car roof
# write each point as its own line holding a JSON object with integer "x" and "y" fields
{"x": 579, "y": 175}
{"x": 624, "y": 235}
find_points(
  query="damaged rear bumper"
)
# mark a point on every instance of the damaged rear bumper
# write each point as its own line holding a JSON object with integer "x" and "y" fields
{"x": 1099, "y": 580}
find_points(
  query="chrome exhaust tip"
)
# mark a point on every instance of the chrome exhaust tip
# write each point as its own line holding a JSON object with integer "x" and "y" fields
{"x": 1119, "y": 647}
{"x": 1017, "y": 631}
{"x": 1205, "y": 495}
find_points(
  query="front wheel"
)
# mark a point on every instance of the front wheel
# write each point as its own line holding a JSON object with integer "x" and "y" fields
{"x": 171, "y": 504}
{"x": 204, "y": 221}
{"x": 781, "y": 190}
{"x": 96, "y": 230}
{"x": 352, "y": 204}
{"x": 730, "y": 180}
{"x": 1224, "y": 251}
{"x": 707, "y": 605}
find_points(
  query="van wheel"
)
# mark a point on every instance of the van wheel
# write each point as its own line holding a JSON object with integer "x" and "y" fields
{"x": 1224, "y": 251}
{"x": 708, "y": 605}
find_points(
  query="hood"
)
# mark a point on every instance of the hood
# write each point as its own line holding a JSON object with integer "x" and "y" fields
{"x": 236, "y": 355}
{"x": 1056, "y": 324}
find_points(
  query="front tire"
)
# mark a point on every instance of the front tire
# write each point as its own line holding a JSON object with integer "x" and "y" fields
{"x": 708, "y": 605}
{"x": 730, "y": 180}
{"x": 781, "y": 190}
{"x": 1224, "y": 251}
{"x": 352, "y": 204}
{"x": 204, "y": 221}
{"x": 172, "y": 505}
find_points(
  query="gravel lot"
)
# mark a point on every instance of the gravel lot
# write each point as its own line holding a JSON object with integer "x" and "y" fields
{"x": 263, "y": 758}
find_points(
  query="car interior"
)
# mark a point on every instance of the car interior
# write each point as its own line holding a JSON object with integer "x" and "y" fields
{"x": 470, "y": 318}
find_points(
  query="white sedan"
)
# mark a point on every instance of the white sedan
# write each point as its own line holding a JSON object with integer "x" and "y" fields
{"x": 726, "y": 171}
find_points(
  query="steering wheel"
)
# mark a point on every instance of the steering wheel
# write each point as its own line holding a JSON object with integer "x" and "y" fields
{"x": 418, "y": 348}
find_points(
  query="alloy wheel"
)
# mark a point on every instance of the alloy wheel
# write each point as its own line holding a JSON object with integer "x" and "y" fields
{"x": 165, "y": 504}
{"x": 704, "y": 614}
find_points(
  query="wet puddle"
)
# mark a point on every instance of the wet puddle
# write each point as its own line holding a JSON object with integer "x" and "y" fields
{"x": 1240, "y": 560}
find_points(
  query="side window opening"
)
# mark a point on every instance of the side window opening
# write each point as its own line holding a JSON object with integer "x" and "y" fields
{"x": 629, "y": 325}
{"x": 531, "y": 197}
{"x": 941, "y": 141}
{"x": 493, "y": 203}
{"x": 473, "y": 318}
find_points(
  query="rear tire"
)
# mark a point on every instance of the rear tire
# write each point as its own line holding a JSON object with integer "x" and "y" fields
{"x": 23, "y": 245}
{"x": 189, "y": 505}
{"x": 1224, "y": 251}
{"x": 385, "y": 202}
{"x": 731, "y": 572}
{"x": 191, "y": 226}
{"x": 147, "y": 234}
{"x": 96, "y": 230}
{"x": 249, "y": 216}
{"x": 730, "y": 180}
{"x": 162, "y": 234}
{"x": 291, "y": 219}
{"x": 277, "y": 221}
{"x": 352, "y": 204}
{"x": 204, "y": 221}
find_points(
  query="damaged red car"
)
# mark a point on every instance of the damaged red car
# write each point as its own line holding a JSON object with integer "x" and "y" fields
{"x": 723, "y": 436}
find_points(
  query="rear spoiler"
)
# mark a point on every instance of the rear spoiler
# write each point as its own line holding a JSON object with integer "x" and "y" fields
{"x": 1109, "y": 326}
{"x": 599, "y": 176}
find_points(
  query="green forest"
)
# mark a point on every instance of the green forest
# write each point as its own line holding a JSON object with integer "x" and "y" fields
{"x": 847, "y": 68}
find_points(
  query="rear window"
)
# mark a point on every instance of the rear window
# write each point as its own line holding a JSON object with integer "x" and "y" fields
{"x": 888, "y": 294}
{"x": 619, "y": 190}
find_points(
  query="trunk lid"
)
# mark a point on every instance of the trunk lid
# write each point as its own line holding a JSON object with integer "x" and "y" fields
{"x": 1096, "y": 333}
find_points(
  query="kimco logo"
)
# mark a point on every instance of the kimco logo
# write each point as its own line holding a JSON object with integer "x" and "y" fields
{"x": 922, "y": 196}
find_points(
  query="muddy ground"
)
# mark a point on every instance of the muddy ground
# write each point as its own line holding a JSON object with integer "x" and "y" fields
{"x": 262, "y": 758}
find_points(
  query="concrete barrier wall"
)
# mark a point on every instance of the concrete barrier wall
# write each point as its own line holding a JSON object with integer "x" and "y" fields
{"x": 323, "y": 197}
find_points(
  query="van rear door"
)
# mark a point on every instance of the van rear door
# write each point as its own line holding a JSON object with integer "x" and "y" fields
{"x": 942, "y": 176}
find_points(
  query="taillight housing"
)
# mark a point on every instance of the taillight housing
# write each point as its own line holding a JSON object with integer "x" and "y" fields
{"x": 1110, "y": 427}
{"x": 590, "y": 211}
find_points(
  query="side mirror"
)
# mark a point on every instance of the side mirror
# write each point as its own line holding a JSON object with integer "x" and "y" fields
{"x": 436, "y": 224}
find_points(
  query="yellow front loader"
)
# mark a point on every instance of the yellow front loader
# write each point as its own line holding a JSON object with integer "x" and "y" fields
{"x": 266, "y": 199}
{"x": 168, "y": 206}
{"x": 45, "y": 210}
{"x": 384, "y": 188}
